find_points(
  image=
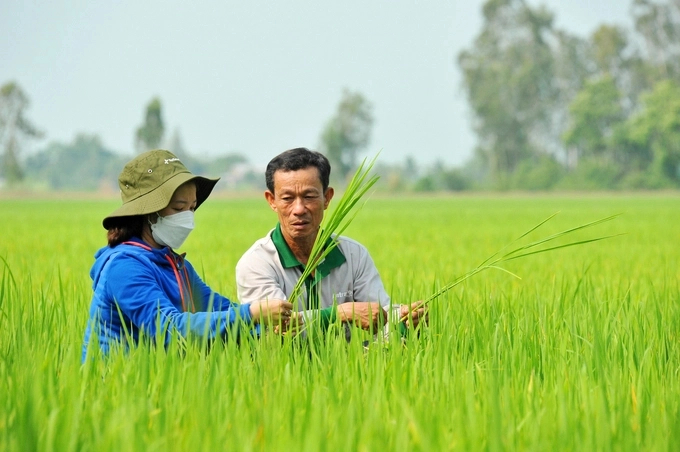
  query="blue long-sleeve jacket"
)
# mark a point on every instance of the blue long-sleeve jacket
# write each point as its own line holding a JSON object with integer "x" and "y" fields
{"x": 153, "y": 289}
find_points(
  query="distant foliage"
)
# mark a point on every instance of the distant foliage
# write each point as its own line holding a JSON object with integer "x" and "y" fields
{"x": 553, "y": 110}
{"x": 347, "y": 133}
{"x": 15, "y": 128}
{"x": 650, "y": 139}
{"x": 509, "y": 75}
{"x": 83, "y": 164}
{"x": 150, "y": 134}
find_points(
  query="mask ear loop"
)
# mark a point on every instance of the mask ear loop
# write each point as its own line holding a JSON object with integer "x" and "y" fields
{"x": 148, "y": 218}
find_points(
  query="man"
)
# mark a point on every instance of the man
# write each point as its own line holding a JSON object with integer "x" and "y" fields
{"x": 346, "y": 285}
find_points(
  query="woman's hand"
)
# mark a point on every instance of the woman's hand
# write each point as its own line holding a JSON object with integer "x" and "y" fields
{"x": 271, "y": 312}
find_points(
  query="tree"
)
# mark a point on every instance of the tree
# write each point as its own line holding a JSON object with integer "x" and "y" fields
{"x": 14, "y": 127}
{"x": 657, "y": 128}
{"x": 176, "y": 145}
{"x": 572, "y": 68}
{"x": 595, "y": 112}
{"x": 659, "y": 25}
{"x": 348, "y": 132}
{"x": 83, "y": 164}
{"x": 608, "y": 45}
{"x": 509, "y": 78}
{"x": 611, "y": 86}
{"x": 411, "y": 170}
{"x": 150, "y": 134}
{"x": 613, "y": 55}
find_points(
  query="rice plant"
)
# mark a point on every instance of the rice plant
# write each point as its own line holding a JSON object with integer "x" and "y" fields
{"x": 580, "y": 354}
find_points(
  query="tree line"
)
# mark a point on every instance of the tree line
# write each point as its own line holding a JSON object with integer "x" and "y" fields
{"x": 551, "y": 110}
{"x": 88, "y": 164}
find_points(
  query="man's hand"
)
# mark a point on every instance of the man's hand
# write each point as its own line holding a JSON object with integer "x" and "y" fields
{"x": 367, "y": 315}
{"x": 271, "y": 312}
{"x": 412, "y": 314}
{"x": 291, "y": 326}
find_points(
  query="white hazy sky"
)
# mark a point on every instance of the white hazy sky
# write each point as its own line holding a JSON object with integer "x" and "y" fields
{"x": 256, "y": 77}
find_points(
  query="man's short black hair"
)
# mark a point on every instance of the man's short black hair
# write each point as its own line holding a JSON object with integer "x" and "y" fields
{"x": 297, "y": 159}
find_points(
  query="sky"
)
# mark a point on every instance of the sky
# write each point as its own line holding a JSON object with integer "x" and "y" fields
{"x": 256, "y": 77}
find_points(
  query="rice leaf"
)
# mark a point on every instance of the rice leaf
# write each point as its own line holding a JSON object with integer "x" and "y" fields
{"x": 581, "y": 242}
{"x": 560, "y": 234}
{"x": 497, "y": 258}
{"x": 519, "y": 238}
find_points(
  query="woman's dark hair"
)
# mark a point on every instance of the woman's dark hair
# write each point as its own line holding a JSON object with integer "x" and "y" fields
{"x": 297, "y": 159}
{"x": 122, "y": 229}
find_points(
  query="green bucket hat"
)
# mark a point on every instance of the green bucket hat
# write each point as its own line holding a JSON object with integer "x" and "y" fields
{"x": 148, "y": 182}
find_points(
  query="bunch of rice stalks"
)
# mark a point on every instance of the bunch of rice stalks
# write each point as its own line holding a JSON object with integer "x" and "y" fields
{"x": 335, "y": 223}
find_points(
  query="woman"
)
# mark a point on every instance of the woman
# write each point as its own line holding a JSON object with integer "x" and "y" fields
{"x": 141, "y": 285}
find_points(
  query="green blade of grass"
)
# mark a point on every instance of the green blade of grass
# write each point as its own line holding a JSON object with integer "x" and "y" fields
{"x": 533, "y": 228}
{"x": 566, "y": 245}
{"x": 492, "y": 261}
{"x": 559, "y": 234}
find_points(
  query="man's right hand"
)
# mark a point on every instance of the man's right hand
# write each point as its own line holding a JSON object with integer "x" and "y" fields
{"x": 414, "y": 313}
{"x": 271, "y": 312}
{"x": 367, "y": 315}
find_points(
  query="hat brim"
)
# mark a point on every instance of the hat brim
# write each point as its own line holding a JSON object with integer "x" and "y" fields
{"x": 160, "y": 197}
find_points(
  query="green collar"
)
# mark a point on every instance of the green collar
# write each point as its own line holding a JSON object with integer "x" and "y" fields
{"x": 333, "y": 260}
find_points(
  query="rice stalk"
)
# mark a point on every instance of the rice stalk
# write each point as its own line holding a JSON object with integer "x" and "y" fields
{"x": 336, "y": 222}
{"x": 529, "y": 249}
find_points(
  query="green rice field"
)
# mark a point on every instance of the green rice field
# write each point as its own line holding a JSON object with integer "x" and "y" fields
{"x": 581, "y": 353}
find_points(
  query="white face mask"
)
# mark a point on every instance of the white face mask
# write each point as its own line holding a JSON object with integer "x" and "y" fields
{"x": 173, "y": 230}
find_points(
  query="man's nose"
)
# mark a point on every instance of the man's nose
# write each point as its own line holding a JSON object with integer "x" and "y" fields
{"x": 298, "y": 206}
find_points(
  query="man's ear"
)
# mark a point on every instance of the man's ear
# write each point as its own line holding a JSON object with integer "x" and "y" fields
{"x": 327, "y": 197}
{"x": 269, "y": 196}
